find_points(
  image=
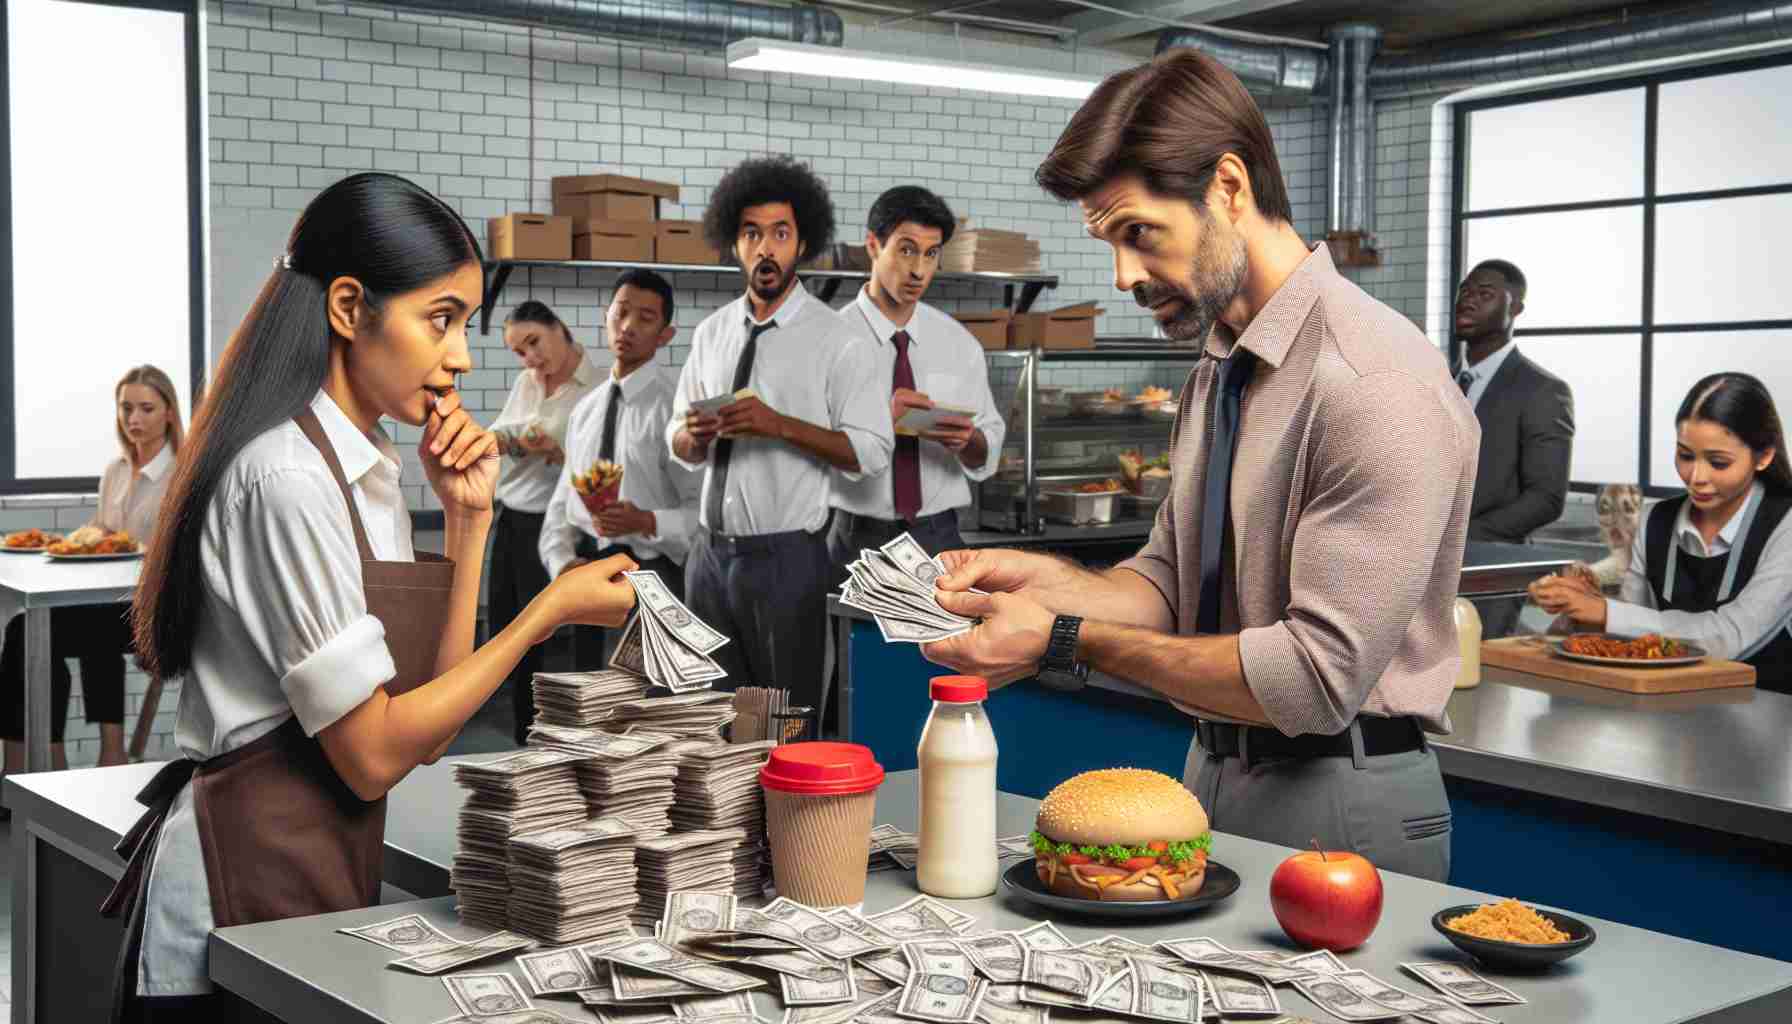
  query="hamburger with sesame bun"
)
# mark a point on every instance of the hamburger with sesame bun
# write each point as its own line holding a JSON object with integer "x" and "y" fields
{"x": 1122, "y": 834}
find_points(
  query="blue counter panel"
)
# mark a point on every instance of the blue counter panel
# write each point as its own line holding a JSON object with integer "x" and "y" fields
{"x": 1708, "y": 886}
{"x": 1713, "y": 887}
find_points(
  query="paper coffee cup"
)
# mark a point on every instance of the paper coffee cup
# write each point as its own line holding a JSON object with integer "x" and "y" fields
{"x": 819, "y": 801}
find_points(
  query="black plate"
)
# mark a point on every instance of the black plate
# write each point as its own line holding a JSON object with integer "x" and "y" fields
{"x": 1022, "y": 880}
{"x": 1518, "y": 956}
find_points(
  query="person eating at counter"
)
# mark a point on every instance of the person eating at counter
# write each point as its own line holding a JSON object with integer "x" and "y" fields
{"x": 323, "y": 659}
{"x": 1296, "y": 594}
{"x": 930, "y": 360}
{"x": 148, "y": 423}
{"x": 1713, "y": 566}
{"x": 623, "y": 422}
{"x": 530, "y": 432}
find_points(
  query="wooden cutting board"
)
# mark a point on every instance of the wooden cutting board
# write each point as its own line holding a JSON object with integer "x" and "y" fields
{"x": 1526, "y": 654}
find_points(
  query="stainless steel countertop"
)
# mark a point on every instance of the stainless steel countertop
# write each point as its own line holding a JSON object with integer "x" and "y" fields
{"x": 303, "y": 970}
{"x": 1718, "y": 760}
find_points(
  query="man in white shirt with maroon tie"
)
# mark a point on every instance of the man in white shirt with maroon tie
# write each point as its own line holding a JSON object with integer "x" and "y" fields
{"x": 927, "y": 360}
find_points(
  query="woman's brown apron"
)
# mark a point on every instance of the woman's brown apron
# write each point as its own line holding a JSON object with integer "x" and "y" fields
{"x": 282, "y": 835}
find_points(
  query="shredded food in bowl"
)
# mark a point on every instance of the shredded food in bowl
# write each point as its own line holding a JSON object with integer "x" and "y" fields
{"x": 1508, "y": 921}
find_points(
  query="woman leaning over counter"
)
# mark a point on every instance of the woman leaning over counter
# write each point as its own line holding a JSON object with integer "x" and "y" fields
{"x": 531, "y": 433}
{"x": 323, "y": 658}
{"x": 146, "y": 417}
{"x": 1713, "y": 566}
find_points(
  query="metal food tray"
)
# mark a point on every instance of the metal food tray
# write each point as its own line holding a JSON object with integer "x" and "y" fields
{"x": 1077, "y": 508}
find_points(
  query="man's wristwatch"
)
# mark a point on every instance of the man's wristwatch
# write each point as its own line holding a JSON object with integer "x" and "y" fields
{"x": 1059, "y": 669}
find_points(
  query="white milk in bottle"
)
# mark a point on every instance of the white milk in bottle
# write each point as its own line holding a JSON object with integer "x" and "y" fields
{"x": 957, "y": 859}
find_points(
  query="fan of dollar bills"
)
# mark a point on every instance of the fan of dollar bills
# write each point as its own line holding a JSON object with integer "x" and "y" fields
{"x": 895, "y": 584}
{"x": 665, "y": 641}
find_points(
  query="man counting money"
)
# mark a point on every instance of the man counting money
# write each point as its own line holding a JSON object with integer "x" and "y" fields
{"x": 1296, "y": 594}
{"x": 777, "y": 398}
{"x": 932, "y": 365}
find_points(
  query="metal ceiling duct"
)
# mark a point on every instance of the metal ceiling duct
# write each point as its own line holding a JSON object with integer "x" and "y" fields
{"x": 693, "y": 24}
{"x": 1262, "y": 67}
{"x": 1360, "y": 42}
{"x": 1709, "y": 26}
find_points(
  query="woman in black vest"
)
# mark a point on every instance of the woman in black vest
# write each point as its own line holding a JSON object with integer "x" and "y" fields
{"x": 1714, "y": 565}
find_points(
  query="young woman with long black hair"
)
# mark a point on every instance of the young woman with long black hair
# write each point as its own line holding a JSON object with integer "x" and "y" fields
{"x": 1714, "y": 565}
{"x": 322, "y": 658}
{"x": 531, "y": 432}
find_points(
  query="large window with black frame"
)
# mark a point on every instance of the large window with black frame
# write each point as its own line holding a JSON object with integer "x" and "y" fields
{"x": 1644, "y": 213}
{"x": 102, "y": 163}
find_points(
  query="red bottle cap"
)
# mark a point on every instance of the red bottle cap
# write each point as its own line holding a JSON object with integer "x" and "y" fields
{"x": 960, "y": 689}
{"x": 822, "y": 769}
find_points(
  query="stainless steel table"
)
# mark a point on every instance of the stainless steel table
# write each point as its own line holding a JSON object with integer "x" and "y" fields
{"x": 1718, "y": 760}
{"x": 65, "y": 825}
{"x": 302, "y": 970}
{"x": 33, "y": 584}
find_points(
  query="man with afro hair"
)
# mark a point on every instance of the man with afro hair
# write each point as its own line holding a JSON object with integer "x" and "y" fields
{"x": 777, "y": 397}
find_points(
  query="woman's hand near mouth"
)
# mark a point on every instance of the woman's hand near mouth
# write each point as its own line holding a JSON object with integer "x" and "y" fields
{"x": 460, "y": 458}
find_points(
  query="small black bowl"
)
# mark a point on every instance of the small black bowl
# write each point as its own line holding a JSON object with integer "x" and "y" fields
{"x": 1516, "y": 956}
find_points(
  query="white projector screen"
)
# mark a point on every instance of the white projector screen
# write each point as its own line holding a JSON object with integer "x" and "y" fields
{"x": 101, "y": 221}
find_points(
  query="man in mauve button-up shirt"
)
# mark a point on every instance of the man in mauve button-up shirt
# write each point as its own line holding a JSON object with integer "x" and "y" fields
{"x": 1342, "y": 533}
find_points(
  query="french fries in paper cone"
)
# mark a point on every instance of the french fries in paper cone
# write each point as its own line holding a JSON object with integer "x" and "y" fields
{"x": 599, "y": 486}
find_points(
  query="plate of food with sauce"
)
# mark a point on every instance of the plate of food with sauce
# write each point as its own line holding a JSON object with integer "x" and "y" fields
{"x": 92, "y": 544}
{"x": 29, "y": 542}
{"x": 1651, "y": 650}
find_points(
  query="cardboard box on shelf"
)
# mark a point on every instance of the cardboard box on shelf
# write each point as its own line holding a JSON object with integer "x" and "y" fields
{"x": 681, "y": 241}
{"x": 629, "y": 241}
{"x": 988, "y": 326}
{"x": 529, "y": 236}
{"x": 610, "y": 197}
{"x": 1066, "y": 327}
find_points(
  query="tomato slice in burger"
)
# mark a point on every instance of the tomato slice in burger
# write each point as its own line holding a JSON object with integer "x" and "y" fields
{"x": 1074, "y": 858}
{"x": 1138, "y": 863}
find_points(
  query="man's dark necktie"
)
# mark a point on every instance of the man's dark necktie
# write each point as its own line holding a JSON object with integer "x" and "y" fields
{"x": 1465, "y": 380}
{"x": 606, "y": 448}
{"x": 905, "y": 461}
{"x": 724, "y": 449}
{"x": 1233, "y": 376}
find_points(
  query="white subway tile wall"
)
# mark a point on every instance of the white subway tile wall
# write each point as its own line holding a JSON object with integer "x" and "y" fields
{"x": 484, "y": 114}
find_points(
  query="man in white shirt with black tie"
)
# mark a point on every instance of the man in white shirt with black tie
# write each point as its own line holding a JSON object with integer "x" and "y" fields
{"x": 759, "y": 568}
{"x": 623, "y": 421}
{"x": 927, "y": 360}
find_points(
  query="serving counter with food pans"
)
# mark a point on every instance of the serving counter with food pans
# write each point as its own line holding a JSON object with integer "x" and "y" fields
{"x": 304, "y": 970}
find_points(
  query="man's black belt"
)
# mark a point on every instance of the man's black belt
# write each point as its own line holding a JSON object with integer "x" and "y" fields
{"x": 1380, "y": 736}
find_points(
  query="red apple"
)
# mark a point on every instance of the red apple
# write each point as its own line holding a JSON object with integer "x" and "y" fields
{"x": 1326, "y": 900}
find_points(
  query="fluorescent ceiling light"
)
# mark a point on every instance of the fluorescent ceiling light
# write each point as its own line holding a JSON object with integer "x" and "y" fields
{"x": 833, "y": 62}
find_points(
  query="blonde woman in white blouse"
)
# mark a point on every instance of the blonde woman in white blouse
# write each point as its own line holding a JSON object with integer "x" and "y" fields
{"x": 531, "y": 432}
{"x": 148, "y": 423}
